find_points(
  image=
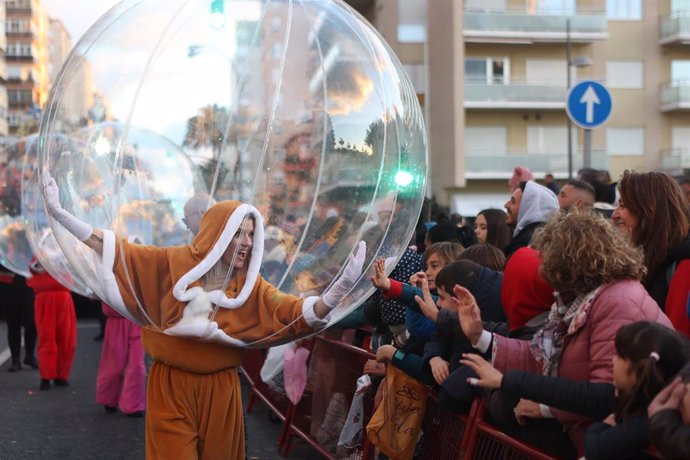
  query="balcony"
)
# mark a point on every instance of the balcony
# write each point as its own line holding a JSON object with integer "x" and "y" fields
{"x": 675, "y": 96}
{"x": 515, "y": 95}
{"x": 522, "y": 25}
{"x": 674, "y": 29}
{"x": 675, "y": 161}
{"x": 483, "y": 164}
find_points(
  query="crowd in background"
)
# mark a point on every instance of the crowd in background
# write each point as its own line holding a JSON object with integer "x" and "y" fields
{"x": 569, "y": 313}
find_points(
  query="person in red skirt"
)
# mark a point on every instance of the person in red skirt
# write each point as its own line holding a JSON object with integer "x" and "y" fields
{"x": 56, "y": 323}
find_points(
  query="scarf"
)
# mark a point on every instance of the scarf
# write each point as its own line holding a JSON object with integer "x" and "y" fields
{"x": 564, "y": 319}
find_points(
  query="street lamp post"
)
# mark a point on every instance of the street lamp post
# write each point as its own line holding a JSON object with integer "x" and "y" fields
{"x": 578, "y": 61}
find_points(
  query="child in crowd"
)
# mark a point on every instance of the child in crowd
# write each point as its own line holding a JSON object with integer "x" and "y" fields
{"x": 648, "y": 356}
{"x": 56, "y": 324}
{"x": 121, "y": 380}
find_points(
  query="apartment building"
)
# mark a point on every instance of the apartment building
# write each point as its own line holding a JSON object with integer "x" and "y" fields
{"x": 27, "y": 63}
{"x": 493, "y": 75}
{"x": 3, "y": 78}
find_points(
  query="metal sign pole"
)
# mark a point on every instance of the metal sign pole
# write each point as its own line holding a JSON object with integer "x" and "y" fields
{"x": 587, "y": 153}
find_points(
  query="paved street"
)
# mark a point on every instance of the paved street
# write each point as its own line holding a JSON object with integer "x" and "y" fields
{"x": 66, "y": 423}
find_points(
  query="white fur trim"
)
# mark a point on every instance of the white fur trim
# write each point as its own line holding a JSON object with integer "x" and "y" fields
{"x": 109, "y": 285}
{"x": 309, "y": 315}
{"x": 218, "y": 297}
{"x": 206, "y": 331}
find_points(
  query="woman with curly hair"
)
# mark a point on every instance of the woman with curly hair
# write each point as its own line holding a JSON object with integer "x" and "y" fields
{"x": 653, "y": 213}
{"x": 596, "y": 275}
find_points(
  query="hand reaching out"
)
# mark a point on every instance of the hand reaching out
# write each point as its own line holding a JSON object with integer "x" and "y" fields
{"x": 385, "y": 353}
{"x": 489, "y": 376}
{"x": 380, "y": 280}
{"x": 427, "y": 304}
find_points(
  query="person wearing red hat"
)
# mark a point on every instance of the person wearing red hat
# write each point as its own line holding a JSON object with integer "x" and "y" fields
{"x": 56, "y": 323}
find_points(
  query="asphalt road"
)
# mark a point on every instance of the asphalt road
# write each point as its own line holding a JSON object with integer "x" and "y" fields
{"x": 66, "y": 423}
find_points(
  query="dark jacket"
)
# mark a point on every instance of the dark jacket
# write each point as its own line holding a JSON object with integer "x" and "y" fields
{"x": 669, "y": 435}
{"x": 521, "y": 240}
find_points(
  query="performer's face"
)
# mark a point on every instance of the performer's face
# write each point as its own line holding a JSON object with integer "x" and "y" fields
{"x": 241, "y": 244}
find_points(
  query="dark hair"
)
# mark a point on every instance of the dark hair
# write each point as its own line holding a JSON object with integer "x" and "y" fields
{"x": 660, "y": 206}
{"x": 582, "y": 185}
{"x": 522, "y": 185}
{"x": 600, "y": 180}
{"x": 656, "y": 354}
{"x": 446, "y": 250}
{"x": 462, "y": 272}
{"x": 486, "y": 255}
{"x": 497, "y": 231}
{"x": 685, "y": 180}
{"x": 443, "y": 232}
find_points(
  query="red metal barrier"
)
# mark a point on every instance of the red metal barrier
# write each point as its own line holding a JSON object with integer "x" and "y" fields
{"x": 318, "y": 419}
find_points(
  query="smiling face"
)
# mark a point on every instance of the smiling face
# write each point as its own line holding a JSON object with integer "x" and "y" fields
{"x": 513, "y": 207}
{"x": 481, "y": 228}
{"x": 625, "y": 220}
{"x": 241, "y": 244}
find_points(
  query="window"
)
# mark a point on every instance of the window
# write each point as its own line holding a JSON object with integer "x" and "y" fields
{"x": 487, "y": 70}
{"x": 417, "y": 74}
{"x": 681, "y": 138}
{"x": 19, "y": 49}
{"x": 18, "y": 26}
{"x": 680, "y": 71}
{"x": 547, "y": 71}
{"x": 19, "y": 97}
{"x": 14, "y": 119}
{"x": 486, "y": 140}
{"x": 625, "y": 141}
{"x": 547, "y": 139}
{"x": 485, "y": 5}
{"x": 624, "y": 74}
{"x": 552, "y": 7}
{"x": 411, "y": 21}
{"x": 624, "y": 10}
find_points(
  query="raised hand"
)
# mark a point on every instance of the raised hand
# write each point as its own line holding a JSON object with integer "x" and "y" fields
{"x": 347, "y": 279}
{"x": 668, "y": 398}
{"x": 468, "y": 313}
{"x": 380, "y": 280}
{"x": 426, "y": 303}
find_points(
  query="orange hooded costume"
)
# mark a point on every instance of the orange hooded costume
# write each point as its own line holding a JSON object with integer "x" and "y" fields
{"x": 194, "y": 400}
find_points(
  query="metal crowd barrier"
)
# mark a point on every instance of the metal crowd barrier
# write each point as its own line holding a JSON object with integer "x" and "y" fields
{"x": 318, "y": 419}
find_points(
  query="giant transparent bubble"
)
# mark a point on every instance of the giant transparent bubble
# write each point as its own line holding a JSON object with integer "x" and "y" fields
{"x": 37, "y": 230}
{"x": 15, "y": 251}
{"x": 297, "y": 108}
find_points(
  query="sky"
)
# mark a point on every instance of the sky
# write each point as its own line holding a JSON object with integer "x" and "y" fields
{"x": 77, "y": 15}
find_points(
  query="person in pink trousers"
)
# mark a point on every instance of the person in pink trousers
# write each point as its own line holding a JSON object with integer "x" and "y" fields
{"x": 121, "y": 380}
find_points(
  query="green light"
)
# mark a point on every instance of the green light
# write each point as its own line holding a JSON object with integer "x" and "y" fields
{"x": 403, "y": 178}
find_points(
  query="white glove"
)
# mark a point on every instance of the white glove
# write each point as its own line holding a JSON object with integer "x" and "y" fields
{"x": 347, "y": 279}
{"x": 76, "y": 227}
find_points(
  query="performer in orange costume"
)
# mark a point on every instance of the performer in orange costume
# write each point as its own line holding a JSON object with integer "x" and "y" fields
{"x": 56, "y": 324}
{"x": 194, "y": 401}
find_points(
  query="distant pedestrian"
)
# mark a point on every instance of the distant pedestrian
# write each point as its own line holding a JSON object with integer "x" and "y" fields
{"x": 56, "y": 324}
{"x": 550, "y": 183}
{"x": 121, "y": 380}
{"x": 18, "y": 308}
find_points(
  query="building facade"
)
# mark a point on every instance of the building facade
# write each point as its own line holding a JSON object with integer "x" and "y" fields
{"x": 27, "y": 64}
{"x": 493, "y": 75}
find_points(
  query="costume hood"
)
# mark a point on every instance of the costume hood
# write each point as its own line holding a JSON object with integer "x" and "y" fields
{"x": 538, "y": 203}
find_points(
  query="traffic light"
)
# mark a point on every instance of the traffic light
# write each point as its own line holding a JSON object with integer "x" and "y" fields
{"x": 217, "y": 13}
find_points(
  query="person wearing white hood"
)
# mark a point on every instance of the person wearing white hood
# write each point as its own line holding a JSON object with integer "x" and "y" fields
{"x": 528, "y": 208}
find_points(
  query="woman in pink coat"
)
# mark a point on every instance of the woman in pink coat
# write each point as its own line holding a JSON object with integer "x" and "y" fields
{"x": 121, "y": 380}
{"x": 596, "y": 275}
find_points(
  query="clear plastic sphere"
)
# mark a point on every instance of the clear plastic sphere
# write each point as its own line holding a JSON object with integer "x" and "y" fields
{"x": 42, "y": 243}
{"x": 15, "y": 251}
{"x": 298, "y": 108}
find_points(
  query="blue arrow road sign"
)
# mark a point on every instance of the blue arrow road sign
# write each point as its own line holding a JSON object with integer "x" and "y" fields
{"x": 588, "y": 104}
